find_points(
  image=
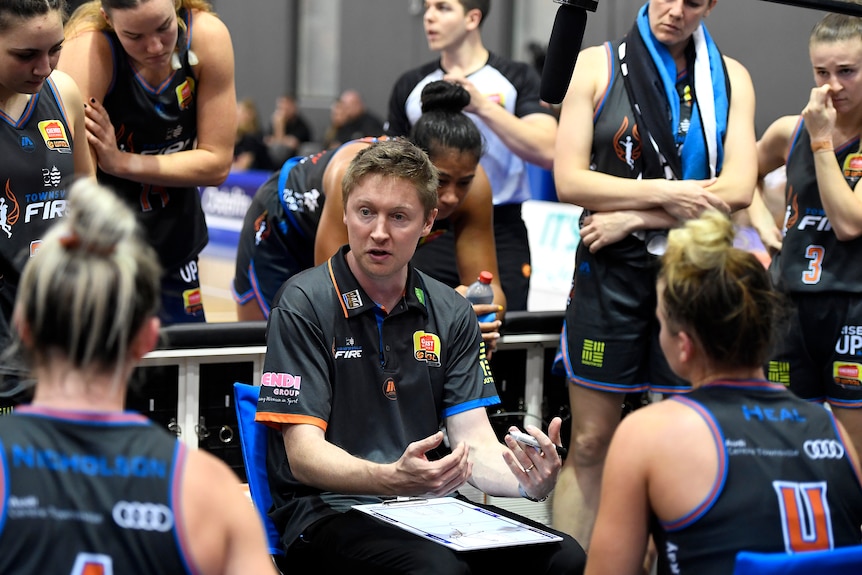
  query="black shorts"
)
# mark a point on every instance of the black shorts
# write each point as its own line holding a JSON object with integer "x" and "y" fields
{"x": 182, "y": 301}
{"x": 819, "y": 356}
{"x": 610, "y": 336}
{"x": 272, "y": 248}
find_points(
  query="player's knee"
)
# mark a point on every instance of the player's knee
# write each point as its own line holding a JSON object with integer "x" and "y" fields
{"x": 589, "y": 447}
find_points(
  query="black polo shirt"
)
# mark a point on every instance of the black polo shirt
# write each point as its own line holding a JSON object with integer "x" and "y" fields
{"x": 375, "y": 382}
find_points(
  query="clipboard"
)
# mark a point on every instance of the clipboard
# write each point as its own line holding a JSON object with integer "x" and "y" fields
{"x": 456, "y": 524}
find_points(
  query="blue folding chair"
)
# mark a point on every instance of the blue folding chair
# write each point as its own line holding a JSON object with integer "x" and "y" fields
{"x": 252, "y": 438}
{"x": 841, "y": 561}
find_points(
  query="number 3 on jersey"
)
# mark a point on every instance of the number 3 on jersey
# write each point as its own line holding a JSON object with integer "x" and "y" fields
{"x": 93, "y": 564}
{"x": 804, "y": 516}
{"x": 815, "y": 266}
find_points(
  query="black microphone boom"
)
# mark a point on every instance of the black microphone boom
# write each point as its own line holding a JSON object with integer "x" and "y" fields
{"x": 563, "y": 47}
{"x": 839, "y": 6}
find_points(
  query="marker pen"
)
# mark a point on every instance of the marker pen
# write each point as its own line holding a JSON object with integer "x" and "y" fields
{"x": 528, "y": 439}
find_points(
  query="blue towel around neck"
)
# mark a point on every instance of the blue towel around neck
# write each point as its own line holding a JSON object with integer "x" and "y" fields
{"x": 694, "y": 149}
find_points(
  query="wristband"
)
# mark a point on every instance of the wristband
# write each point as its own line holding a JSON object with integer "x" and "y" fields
{"x": 821, "y": 146}
{"x": 527, "y": 497}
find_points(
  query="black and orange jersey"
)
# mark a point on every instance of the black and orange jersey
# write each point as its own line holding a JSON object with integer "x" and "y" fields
{"x": 158, "y": 120}
{"x": 812, "y": 258}
{"x": 37, "y": 167}
{"x": 785, "y": 482}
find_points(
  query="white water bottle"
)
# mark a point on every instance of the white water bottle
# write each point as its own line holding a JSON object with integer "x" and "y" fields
{"x": 481, "y": 292}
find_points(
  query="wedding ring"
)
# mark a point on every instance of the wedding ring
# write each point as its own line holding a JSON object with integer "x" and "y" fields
{"x": 530, "y": 468}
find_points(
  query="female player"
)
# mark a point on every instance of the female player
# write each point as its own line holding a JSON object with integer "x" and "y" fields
{"x": 739, "y": 463}
{"x": 296, "y": 218}
{"x": 158, "y": 80}
{"x": 655, "y": 128}
{"x": 88, "y": 487}
{"x": 43, "y": 137}
{"x": 819, "y": 260}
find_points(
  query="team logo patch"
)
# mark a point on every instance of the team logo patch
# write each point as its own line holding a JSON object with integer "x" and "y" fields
{"x": 823, "y": 449}
{"x": 593, "y": 353}
{"x": 627, "y": 147}
{"x": 55, "y": 137}
{"x": 192, "y": 301}
{"x": 389, "y": 391}
{"x": 27, "y": 144}
{"x": 352, "y": 299}
{"x": 143, "y": 516}
{"x": 347, "y": 351}
{"x": 779, "y": 372}
{"x": 847, "y": 375}
{"x": 853, "y": 168}
{"x": 426, "y": 347}
{"x": 9, "y": 210}
{"x": 186, "y": 93}
{"x": 34, "y": 247}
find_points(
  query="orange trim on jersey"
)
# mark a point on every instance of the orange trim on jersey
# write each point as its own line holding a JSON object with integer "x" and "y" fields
{"x": 276, "y": 420}
{"x": 335, "y": 285}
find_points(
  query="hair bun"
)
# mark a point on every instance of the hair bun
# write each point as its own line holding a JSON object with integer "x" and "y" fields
{"x": 445, "y": 96}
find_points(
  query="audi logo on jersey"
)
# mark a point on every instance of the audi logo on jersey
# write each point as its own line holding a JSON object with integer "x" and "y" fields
{"x": 823, "y": 449}
{"x": 143, "y": 516}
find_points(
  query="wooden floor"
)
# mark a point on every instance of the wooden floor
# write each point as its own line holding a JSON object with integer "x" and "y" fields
{"x": 216, "y": 271}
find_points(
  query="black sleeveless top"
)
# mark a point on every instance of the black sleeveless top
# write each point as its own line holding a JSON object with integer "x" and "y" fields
{"x": 88, "y": 492}
{"x": 784, "y": 483}
{"x": 37, "y": 166}
{"x": 158, "y": 120}
{"x": 812, "y": 258}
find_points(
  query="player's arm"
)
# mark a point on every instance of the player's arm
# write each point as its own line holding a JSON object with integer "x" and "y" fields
{"x": 74, "y": 106}
{"x": 577, "y": 184}
{"x": 772, "y": 150}
{"x": 619, "y": 539}
{"x": 86, "y": 58}
{"x": 331, "y": 231}
{"x": 210, "y": 161}
{"x": 840, "y": 202}
{"x": 224, "y": 539}
{"x": 735, "y": 184}
{"x": 531, "y": 137}
{"x": 475, "y": 249}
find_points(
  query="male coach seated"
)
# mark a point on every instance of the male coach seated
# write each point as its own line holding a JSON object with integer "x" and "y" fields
{"x": 366, "y": 358}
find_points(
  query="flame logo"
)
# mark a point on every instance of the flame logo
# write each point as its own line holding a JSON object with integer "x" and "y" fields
{"x": 631, "y": 152}
{"x": 792, "y": 208}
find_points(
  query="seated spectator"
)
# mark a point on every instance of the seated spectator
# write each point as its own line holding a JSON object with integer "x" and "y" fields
{"x": 296, "y": 217}
{"x": 368, "y": 427}
{"x": 87, "y": 486}
{"x": 288, "y": 130}
{"x": 249, "y": 152}
{"x": 350, "y": 120}
{"x": 739, "y": 463}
